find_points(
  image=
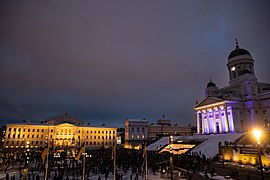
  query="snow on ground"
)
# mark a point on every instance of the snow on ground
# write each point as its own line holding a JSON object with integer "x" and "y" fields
{"x": 209, "y": 147}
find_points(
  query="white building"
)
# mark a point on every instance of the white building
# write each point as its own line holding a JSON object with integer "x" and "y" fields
{"x": 242, "y": 105}
{"x": 135, "y": 132}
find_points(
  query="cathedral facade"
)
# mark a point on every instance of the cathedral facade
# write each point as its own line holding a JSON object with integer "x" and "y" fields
{"x": 238, "y": 107}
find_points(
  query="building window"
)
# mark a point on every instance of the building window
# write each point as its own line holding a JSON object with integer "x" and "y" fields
{"x": 132, "y": 136}
{"x": 33, "y": 130}
{"x": 42, "y": 130}
{"x": 51, "y": 130}
{"x": 138, "y": 136}
{"x": 28, "y": 130}
{"x": 266, "y": 123}
{"x": 132, "y": 129}
{"x": 138, "y": 129}
{"x": 33, "y": 136}
{"x": 143, "y": 136}
{"x": 37, "y": 136}
{"x": 143, "y": 129}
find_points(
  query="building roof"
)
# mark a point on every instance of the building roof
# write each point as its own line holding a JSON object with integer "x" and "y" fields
{"x": 237, "y": 52}
{"x": 64, "y": 118}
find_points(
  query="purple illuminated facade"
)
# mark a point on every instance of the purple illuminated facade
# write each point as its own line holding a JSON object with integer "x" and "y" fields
{"x": 242, "y": 105}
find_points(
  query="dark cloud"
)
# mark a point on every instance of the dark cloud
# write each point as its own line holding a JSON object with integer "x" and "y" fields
{"x": 104, "y": 61}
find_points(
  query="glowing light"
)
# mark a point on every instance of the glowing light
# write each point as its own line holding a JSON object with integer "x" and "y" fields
{"x": 233, "y": 68}
{"x": 257, "y": 134}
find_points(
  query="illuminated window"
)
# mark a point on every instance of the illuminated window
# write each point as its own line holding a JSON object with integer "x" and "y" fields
{"x": 132, "y": 136}
{"x": 143, "y": 136}
{"x": 138, "y": 136}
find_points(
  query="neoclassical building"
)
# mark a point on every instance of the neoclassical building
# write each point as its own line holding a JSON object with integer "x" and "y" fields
{"x": 60, "y": 131}
{"x": 242, "y": 105}
{"x": 136, "y": 131}
{"x": 139, "y": 131}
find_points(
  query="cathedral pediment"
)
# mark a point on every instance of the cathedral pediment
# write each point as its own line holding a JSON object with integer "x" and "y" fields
{"x": 209, "y": 101}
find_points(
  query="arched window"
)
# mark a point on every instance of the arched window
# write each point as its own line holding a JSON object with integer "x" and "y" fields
{"x": 266, "y": 123}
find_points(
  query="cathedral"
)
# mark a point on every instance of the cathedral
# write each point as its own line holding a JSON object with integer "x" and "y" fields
{"x": 238, "y": 107}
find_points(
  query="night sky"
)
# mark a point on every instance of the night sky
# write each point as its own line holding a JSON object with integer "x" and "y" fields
{"x": 104, "y": 61}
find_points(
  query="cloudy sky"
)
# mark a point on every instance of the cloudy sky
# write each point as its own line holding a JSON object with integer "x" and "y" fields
{"x": 104, "y": 61}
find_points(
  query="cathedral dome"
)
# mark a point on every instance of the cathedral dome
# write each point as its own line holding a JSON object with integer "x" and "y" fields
{"x": 211, "y": 84}
{"x": 238, "y": 51}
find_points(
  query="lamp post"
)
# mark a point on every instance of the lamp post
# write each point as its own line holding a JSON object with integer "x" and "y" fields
{"x": 257, "y": 134}
{"x": 84, "y": 155}
{"x": 171, "y": 156}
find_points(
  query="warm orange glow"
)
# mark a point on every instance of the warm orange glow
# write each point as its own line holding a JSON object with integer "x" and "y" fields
{"x": 257, "y": 134}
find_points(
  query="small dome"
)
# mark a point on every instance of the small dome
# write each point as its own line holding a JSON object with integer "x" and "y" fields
{"x": 211, "y": 84}
{"x": 238, "y": 51}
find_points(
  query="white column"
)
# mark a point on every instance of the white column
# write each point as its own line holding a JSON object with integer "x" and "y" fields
{"x": 208, "y": 124}
{"x": 226, "y": 119}
{"x": 220, "y": 120}
{"x": 214, "y": 121}
{"x": 198, "y": 122}
{"x": 202, "y": 124}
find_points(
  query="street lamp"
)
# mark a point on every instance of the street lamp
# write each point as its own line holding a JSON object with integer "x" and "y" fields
{"x": 171, "y": 156}
{"x": 257, "y": 134}
{"x": 84, "y": 155}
